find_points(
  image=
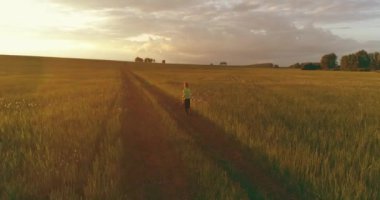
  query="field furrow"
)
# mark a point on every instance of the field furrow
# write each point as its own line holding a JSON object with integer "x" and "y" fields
{"x": 152, "y": 168}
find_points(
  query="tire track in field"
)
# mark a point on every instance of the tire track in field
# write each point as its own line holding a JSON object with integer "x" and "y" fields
{"x": 223, "y": 149}
{"x": 152, "y": 168}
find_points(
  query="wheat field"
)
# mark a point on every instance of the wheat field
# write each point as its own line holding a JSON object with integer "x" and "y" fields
{"x": 62, "y": 137}
{"x": 319, "y": 131}
{"x": 59, "y": 129}
{"x": 61, "y": 134}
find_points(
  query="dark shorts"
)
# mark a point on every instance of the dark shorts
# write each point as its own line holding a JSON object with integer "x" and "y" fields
{"x": 187, "y": 103}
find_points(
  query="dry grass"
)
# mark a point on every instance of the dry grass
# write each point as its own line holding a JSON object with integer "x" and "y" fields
{"x": 319, "y": 130}
{"x": 59, "y": 129}
{"x": 61, "y": 137}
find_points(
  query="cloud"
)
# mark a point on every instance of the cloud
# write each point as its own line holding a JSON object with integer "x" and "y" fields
{"x": 147, "y": 37}
{"x": 144, "y": 5}
{"x": 204, "y": 31}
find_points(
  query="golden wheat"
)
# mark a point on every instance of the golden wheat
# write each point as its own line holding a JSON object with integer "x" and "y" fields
{"x": 319, "y": 130}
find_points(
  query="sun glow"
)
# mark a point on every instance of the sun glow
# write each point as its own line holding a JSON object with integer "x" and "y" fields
{"x": 147, "y": 37}
{"x": 35, "y": 27}
{"x": 36, "y": 14}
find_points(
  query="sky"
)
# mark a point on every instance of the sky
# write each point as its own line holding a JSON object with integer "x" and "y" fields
{"x": 197, "y": 31}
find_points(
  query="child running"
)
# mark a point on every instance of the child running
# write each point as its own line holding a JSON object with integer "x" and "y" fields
{"x": 186, "y": 97}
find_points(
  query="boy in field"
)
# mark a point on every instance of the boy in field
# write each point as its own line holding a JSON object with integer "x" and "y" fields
{"x": 186, "y": 97}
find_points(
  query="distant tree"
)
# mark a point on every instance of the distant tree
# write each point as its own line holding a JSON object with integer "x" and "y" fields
{"x": 377, "y": 58}
{"x": 349, "y": 62}
{"x": 360, "y": 60}
{"x": 353, "y": 62}
{"x": 329, "y": 61}
{"x": 311, "y": 66}
{"x": 163, "y": 61}
{"x": 363, "y": 60}
{"x": 296, "y": 65}
{"x": 223, "y": 63}
{"x": 148, "y": 60}
{"x": 374, "y": 60}
{"x": 344, "y": 62}
{"x": 138, "y": 59}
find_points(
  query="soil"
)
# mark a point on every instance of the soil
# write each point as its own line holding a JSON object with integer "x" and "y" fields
{"x": 152, "y": 168}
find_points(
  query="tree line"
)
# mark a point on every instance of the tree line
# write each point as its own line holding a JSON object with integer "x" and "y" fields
{"x": 147, "y": 60}
{"x": 359, "y": 61}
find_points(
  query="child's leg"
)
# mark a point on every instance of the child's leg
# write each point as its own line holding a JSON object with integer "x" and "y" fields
{"x": 187, "y": 105}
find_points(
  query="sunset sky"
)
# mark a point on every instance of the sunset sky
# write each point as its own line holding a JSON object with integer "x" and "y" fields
{"x": 197, "y": 31}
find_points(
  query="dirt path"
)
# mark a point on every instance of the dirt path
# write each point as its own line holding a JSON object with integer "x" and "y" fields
{"x": 224, "y": 150}
{"x": 152, "y": 168}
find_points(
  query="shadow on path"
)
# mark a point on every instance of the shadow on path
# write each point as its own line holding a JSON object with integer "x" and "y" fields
{"x": 223, "y": 149}
{"x": 152, "y": 168}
